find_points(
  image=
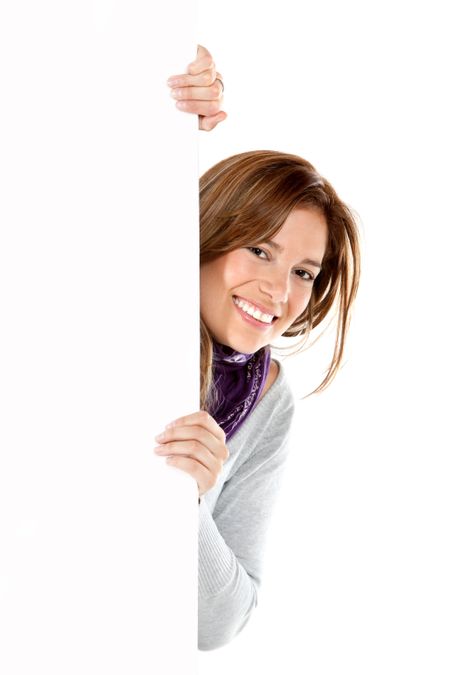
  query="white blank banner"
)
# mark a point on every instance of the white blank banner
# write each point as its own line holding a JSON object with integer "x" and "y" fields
{"x": 98, "y": 302}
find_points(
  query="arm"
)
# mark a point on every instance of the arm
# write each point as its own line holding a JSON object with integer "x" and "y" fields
{"x": 235, "y": 511}
{"x": 232, "y": 539}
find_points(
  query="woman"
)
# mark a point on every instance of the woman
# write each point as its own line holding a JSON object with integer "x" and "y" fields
{"x": 278, "y": 251}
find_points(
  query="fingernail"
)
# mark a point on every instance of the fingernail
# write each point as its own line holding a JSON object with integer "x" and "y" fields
{"x": 160, "y": 437}
{"x": 182, "y": 105}
{"x": 159, "y": 450}
{"x": 176, "y": 93}
{"x": 173, "y": 81}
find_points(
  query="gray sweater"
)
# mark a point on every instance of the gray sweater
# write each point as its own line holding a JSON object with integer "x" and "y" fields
{"x": 234, "y": 517}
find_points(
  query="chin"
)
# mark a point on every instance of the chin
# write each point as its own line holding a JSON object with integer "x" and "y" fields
{"x": 243, "y": 346}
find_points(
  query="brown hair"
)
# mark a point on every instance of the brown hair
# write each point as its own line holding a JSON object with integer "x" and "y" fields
{"x": 246, "y": 199}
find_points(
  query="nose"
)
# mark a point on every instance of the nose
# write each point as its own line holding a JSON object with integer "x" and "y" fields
{"x": 275, "y": 284}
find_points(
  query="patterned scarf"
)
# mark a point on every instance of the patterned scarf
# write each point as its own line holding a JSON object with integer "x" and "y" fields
{"x": 239, "y": 380}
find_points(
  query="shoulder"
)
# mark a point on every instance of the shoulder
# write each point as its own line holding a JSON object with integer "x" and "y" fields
{"x": 274, "y": 369}
{"x": 276, "y": 402}
{"x": 265, "y": 432}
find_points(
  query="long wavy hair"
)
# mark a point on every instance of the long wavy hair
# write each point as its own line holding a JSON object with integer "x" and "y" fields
{"x": 245, "y": 199}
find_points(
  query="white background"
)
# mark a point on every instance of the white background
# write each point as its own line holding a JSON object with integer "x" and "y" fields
{"x": 356, "y": 575}
{"x": 98, "y": 286}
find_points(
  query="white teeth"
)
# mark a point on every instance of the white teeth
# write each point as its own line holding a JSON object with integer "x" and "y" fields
{"x": 255, "y": 313}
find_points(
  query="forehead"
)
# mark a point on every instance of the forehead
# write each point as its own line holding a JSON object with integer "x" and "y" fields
{"x": 303, "y": 228}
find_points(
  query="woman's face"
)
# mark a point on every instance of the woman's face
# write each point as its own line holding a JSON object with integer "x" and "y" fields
{"x": 252, "y": 295}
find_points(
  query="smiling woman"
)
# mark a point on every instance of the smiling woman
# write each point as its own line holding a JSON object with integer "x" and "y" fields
{"x": 278, "y": 252}
{"x": 270, "y": 223}
{"x": 265, "y": 287}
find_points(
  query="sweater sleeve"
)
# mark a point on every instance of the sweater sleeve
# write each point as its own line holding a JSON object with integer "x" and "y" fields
{"x": 232, "y": 539}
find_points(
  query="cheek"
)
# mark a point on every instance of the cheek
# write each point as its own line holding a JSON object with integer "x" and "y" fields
{"x": 210, "y": 276}
{"x": 208, "y": 291}
{"x": 299, "y": 300}
{"x": 232, "y": 274}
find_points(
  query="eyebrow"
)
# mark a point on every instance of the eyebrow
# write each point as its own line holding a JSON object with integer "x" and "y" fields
{"x": 306, "y": 261}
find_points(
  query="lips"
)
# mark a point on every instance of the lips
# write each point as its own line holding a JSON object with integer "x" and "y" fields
{"x": 252, "y": 314}
{"x": 256, "y": 305}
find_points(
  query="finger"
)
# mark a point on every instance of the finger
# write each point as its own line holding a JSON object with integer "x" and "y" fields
{"x": 200, "y": 418}
{"x": 205, "y": 479}
{"x": 208, "y": 123}
{"x": 211, "y": 93}
{"x": 203, "y": 79}
{"x": 203, "y": 61}
{"x": 207, "y": 108}
{"x": 219, "y": 80}
{"x": 194, "y": 450}
{"x": 206, "y": 78}
{"x": 196, "y": 436}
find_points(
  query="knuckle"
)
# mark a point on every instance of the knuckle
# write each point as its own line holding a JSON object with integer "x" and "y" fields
{"x": 196, "y": 446}
{"x": 206, "y": 78}
{"x": 221, "y": 457}
{"x": 216, "y": 90}
{"x": 213, "y": 107}
{"x": 204, "y": 416}
{"x": 183, "y": 93}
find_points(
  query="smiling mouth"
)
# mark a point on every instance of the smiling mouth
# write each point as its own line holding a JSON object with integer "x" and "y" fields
{"x": 254, "y": 312}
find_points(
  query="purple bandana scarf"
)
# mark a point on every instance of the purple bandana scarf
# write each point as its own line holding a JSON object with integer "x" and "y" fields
{"x": 239, "y": 380}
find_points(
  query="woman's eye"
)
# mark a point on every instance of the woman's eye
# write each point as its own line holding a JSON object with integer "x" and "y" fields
{"x": 257, "y": 251}
{"x": 303, "y": 274}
